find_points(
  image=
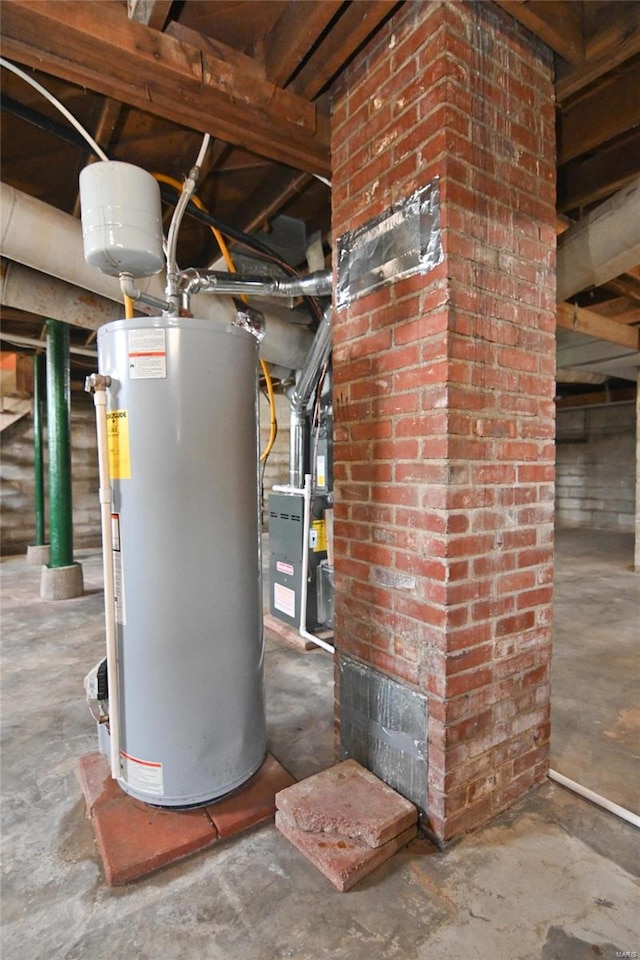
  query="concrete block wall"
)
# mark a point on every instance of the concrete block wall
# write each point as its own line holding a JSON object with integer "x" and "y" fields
{"x": 444, "y": 386}
{"x": 17, "y": 481}
{"x": 596, "y": 471}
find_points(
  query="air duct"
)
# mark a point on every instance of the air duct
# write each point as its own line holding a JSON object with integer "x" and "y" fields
{"x": 35, "y": 292}
{"x": 602, "y": 245}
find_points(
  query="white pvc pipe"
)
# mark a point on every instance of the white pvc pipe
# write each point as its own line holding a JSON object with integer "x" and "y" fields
{"x": 100, "y": 401}
{"x": 305, "y": 571}
{"x": 614, "y": 808}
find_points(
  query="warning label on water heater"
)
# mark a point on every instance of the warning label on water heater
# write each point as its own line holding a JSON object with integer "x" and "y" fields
{"x": 142, "y": 775}
{"x": 147, "y": 354}
{"x": 118, "y": 444}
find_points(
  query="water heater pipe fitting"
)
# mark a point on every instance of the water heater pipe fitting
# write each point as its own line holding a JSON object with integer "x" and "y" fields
{"x": 97, "y": 384}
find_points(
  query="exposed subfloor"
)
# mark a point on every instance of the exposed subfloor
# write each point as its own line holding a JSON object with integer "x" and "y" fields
{"x": 595, "y": 693}
{"x": 555, "y": 878}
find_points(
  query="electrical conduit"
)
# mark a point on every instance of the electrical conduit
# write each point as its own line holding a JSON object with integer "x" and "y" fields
{"x": 98, "y": 384}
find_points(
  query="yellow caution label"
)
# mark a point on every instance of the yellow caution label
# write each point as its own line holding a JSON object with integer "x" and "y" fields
{"x": 119, "y": 450}
{"x": 319, "y": 536}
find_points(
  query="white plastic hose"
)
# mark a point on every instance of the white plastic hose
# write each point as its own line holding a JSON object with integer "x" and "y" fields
{"x": 100, "y": 401}
{"x": 305, "y": 571}
{"x": 614, "y": 808}
{"x": 99, "y": 152}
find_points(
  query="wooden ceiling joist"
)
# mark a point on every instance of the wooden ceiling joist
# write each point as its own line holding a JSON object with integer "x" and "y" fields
{"x": 613, "y": 36}
{"x": 601, "y": 115}
{"x": 293, "y": 36}
{"x": 557, "y": 23}
{"x": 589, "y": 323}
{"x": 586, "y": 180}
{"x": 97, "y": 46}
{"x": 357, "y": 23}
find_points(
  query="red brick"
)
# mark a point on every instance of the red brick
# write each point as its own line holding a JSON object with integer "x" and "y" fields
{"x": 96, "y": 781}
{"x": 484, "y": 379}
{"x": 135, "y": 839}
{"x": 343, "y": 862}
{"x": 349, "y": 801}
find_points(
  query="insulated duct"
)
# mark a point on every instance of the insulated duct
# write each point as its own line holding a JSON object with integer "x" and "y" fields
{"x": 602, "y": 245}
{"x": 47, "y": 240}
{"x": 27, "y": 289}
{"x": 210, "y": 281}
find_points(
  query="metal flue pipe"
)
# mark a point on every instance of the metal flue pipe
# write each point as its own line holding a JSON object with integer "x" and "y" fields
{"x": 299, "y": 397}
{"x": 39, "y": 236}
{"x": 194, "y": 281}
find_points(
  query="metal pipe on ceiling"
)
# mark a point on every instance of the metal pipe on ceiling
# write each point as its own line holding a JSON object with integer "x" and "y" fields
{"x": 18, "y": 341}
{"x": 50, "y": 241}
{"x": 25, "y": 289}
{"x": 211, "y": 281}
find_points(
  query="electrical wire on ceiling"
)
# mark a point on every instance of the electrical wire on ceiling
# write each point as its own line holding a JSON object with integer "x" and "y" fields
{"x": 99, "y": 152}
{"x": 195, "y": 210}
{"x": 193, "y": 205}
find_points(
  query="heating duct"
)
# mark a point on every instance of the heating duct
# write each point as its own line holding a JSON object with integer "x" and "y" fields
{"x": 49, "y": 241}
{"x": 602, "y": 245}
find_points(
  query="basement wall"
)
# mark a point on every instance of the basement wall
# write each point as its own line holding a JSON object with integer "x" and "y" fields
{"x": 596, "y": 467}
{"x": 17, "y": 480}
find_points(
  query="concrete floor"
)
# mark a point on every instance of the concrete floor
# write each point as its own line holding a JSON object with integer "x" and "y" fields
{"x": 555, "y": 878}
{"x": 595, "y": 698}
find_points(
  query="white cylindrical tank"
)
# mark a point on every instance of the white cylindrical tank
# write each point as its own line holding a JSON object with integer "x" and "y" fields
{"x": 121, "y": 219}
{"x": 183, "y": 435}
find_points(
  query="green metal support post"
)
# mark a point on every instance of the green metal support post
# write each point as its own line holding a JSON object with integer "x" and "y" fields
{"x": 62, "y": 578}
{"x": 38, "y": 461}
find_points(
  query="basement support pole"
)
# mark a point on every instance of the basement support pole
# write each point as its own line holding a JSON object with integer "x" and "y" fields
{"x": 62, "y": 579}
{"x": 38, "y": 552}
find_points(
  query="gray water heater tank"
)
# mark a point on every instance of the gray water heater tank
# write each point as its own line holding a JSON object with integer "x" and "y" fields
{"x": 183, "y": 453}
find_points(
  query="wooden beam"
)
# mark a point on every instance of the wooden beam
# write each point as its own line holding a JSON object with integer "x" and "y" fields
{"x": 153, "y": 13}
{"x": 558, "y": 23}
{"x": 360, "y": 19}
{"x": 607, "y": 25}
{"x": 601, "y": 59}
{"x": 97, "y": 46}
{"x": 625, "y": 286}
{"x": 221, "y": 51}
{"x": 293, "y": 35}
{"x": 621, "y": 309}
{"x": 620, "y": 394}
{"x": 608, "y": 111}
{"x": 587, "y": 180}
{"x": 592, "y": 325}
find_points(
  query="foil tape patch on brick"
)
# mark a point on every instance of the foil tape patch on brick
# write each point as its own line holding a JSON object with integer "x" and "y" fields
{"x": 383, "y": 725}
{"x": 401, "y": 241}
